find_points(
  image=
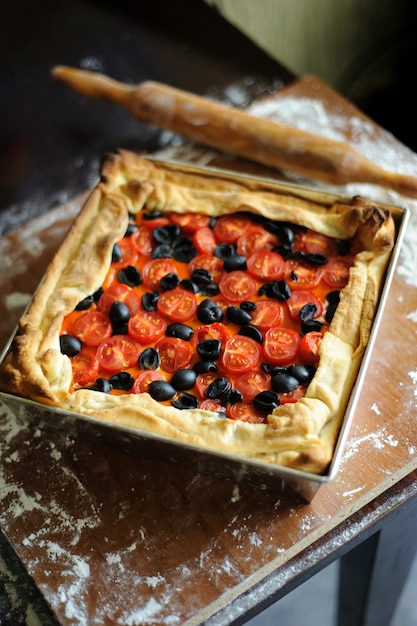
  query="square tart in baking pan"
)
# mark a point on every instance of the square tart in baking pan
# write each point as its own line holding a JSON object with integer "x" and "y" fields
{"x": 223, "y": 312}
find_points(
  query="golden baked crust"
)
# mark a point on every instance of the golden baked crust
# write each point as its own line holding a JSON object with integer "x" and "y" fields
{"x": 300, "y": 435}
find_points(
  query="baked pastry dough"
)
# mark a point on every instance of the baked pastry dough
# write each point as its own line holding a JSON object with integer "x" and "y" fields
{"x": 299, "y": 435}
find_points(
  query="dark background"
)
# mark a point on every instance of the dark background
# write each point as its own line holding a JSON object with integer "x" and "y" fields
{"x": 52, "y": 140}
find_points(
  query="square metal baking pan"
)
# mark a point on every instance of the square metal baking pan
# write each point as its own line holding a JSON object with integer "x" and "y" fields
{"x": 227, "y": 466}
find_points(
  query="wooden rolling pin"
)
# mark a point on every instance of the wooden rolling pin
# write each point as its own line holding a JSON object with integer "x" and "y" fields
{"x": 238, "y": 132}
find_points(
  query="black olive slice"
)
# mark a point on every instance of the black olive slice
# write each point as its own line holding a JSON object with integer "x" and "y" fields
{"x": 169, "y": 281}
{"x": 253, "y": 332}
{"x": 149, "y": 300}
{"x": 119, "y": 313}
{"x": 184, "y": 379}
{"x": 311, "y": 326}
{"x": 232, "y": 396}
{"x": 307, "y": 312}
{"x": 218, "y": 387}
{"x": 202, "y": 367}
{"x": 122, "y": 380}
{"x": 188, "y": 285}
{"x": 149, "y": 359}
{"x": 235, "y": 262}
{"x": 117, "y": 254}
{"x": 303, "y": 373}
{"x": 276, "y": 289}
{"x": 248, "y": 306}
{"x": 166, "y": 234}
{"x": 237, "y": 315}
{"x": 314, "y": 258}
{"x": 284, "y": 382}
{"x": 131, "y": 228}
{"x": 183, "y": 250}
{"x": 130, "y": 276}
{"x": 151, "y": 215}
{"x": 161, "y": 390}
{"x": 69, "y": 345}
{"x": 162, "y": 251}
{"x": 102, "y": 385}
{"x": 266, "y": 401}
{"x": 181, "y": 331}
{"x": 224, "y": 251}
{"x": 201, "y": 276}
{"x": 185, "y": 401}
{"x": 85, "y": 303}
{"x": 209, "y": 312}
{"x": 210, "y": 290}
{"x": 209, "y": 350}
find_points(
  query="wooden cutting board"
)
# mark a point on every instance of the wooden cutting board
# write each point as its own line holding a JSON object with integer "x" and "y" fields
{"x": 111, "y": 537}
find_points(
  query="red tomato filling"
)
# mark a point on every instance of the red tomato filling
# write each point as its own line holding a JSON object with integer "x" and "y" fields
{"x": 228, "y": 331}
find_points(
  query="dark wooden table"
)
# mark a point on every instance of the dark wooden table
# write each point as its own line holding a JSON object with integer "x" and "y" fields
{"x": 96, "y": 534}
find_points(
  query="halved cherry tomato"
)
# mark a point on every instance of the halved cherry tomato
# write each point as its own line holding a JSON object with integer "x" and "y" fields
{"x": 292, "y": 396}
{"x": 203, "y": 381}
{"x": 314, "y": 242}
{"x": 178, "y": 305}
{"x": 251, "y": 383}
{"x": 92, "y": 327}
{"x": 237, "y": 286}
{"x": 266, "y": 265}
{"x": 309, "y": 347}
{"x": 256, "y": 238}
{"x": 119, "y": 352}
{"x": 190, "y": 222}
{"x": 204, "y": 241}
{"x": 300, "y": 275}
{"x": 213, "y": 265}
{"x": 155, "y": 270}
{"x": 268, "y": 313}
{"x": 129, "y": 254}
{"x": 147, "y": 326}
{"x": 212, "y": 404}
{"x": 142, "y": 382}
{"x": 118, "y": 292}
{"x": 280, "y": 345}
{"x": 246, "y": 412}
{"x": 211, "y": 331}
{"x": 336, "y": 272}
{"x": 240, "y": 354}
{"x": 152, "y": 221}
{"x": 229, "y": 228}
{"x": 300, "y": 298}
{"x": 142, "y": 239}
{"x": 175, "y": 354}
{"x": 84, "y": 367}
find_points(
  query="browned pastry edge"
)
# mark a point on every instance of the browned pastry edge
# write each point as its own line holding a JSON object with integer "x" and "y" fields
{"x": 300, "y": 435}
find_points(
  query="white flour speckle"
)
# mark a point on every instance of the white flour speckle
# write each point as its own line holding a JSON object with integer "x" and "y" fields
{"x": 235, "y": 494}
{"x": 375, "y": 409}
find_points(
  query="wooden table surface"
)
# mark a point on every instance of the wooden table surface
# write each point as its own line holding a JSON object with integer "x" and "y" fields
{"x": 111, "y": 536}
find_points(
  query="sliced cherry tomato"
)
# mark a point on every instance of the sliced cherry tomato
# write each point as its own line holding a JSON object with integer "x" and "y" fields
{"x": 147, "y": 326}
{"x": 309, "y": 347}
{"x": 212, "y": 404}
{"x": 142, "y": 239}
{"x": 129, "y": 254}
{"x": 292, "y": 396}
{"x": 118, "y": 292}
{"x": 266, "y": 265}
{"x": 314, "y": 242}
{"x": 203, "y": 381}
{"x": 229, "y": 228}
{"x": 178, "y": 305}
{"x": 119, "y": 352}
{"x": 336, "y": 272}
{"x": 211, "y": 331}
{"x": 300, "y": 298}
{"x": 155, "y": 270}
{"x": 204, "y": 241}
{"x": 175, "y": 354}
{"x": 300, "y": 275}
{"x": 142, "y": 382}
{"x": 190, "y": 222}
{"x": 92, "y": 327}
{"x": 237, "y": 286}
{"x": 207, "y": 262}
{"x": 84, "y": 367}
{"x": 240, "y": 354}
{"x": 152, "y": 220}
{"x": 280, "y": 345}
{"x": 246, "y": 412}
{"x": 256, "y": 238}
{"x": 268, "y": 313}
{"x": 251, "y": 383}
